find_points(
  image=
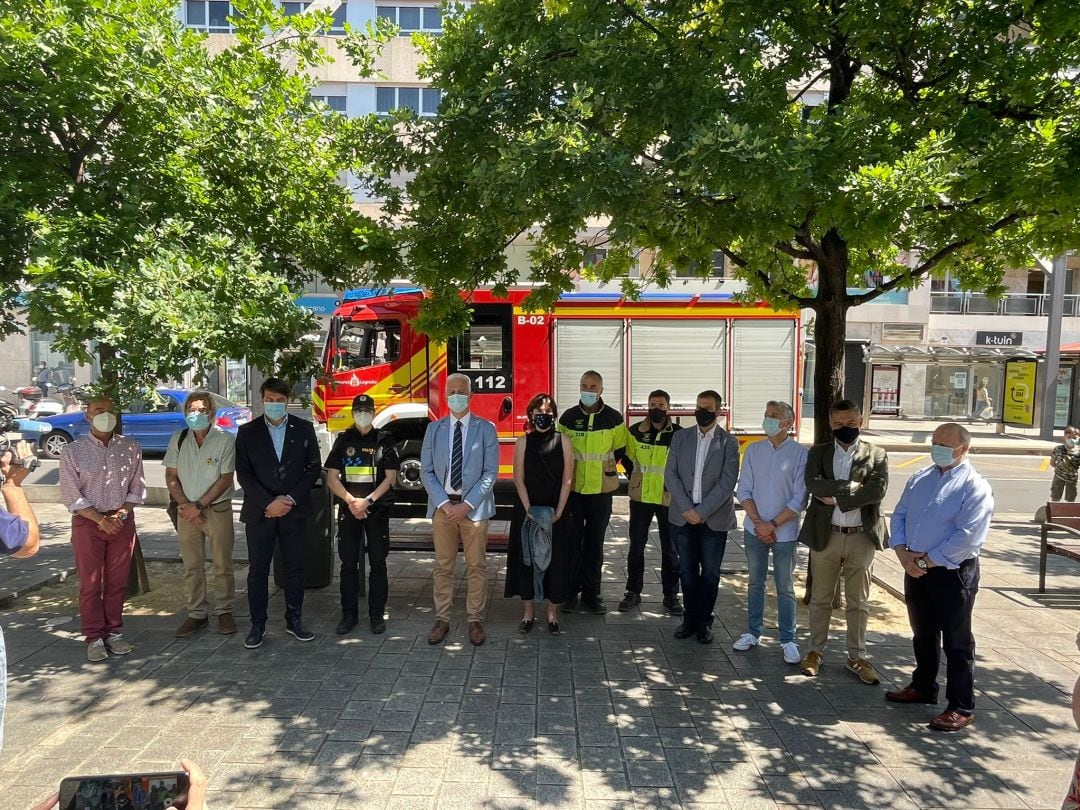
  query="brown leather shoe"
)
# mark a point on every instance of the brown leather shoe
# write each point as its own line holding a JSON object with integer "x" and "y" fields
{"x": 950, "y": 720}
{"x": 226, "y": 625}
{"x": 190, "y": 625}
{"x": 476, "y": 634}
{"x": 438, "y": 632}
{"x": 909, "y": 694}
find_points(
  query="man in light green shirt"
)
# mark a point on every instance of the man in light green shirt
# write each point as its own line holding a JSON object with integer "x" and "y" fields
{"x": 199, "y": 468}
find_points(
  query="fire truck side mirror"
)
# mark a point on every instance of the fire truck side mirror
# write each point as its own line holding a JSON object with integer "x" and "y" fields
{"x": 506, "y": 407}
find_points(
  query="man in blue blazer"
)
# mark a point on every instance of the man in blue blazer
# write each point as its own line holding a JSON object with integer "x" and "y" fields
{"x": 701, "y": 473}
{"x": 459, "y": 463}
{"x": 277, "y": 464}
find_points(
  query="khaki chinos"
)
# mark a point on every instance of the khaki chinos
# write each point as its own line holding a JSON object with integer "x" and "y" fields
{"x": 473, "y": 537}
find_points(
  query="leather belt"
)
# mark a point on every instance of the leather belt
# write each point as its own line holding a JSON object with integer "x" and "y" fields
{"x": 454, "y": 498}
{"x": 846, "y": 529}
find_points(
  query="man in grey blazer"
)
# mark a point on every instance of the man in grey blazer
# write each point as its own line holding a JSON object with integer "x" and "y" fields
{"x": 459, "y": 463}
{"x": 847, "y": 479}
{"x": 701, "y": 473}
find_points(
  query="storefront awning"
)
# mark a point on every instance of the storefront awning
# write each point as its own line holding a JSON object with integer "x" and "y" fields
{"x": 960, "y": 355}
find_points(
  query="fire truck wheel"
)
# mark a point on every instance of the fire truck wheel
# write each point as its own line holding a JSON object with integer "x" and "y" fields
{"x": 409, "y": 474}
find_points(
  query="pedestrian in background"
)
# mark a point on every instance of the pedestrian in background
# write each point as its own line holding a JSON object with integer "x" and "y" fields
{"x": 43, "y": 378}
{"x": 648, "y": 445}
{"x": 847, "y": 479}
{"x": 199, "y": 465}
{"x": 101, "y": 483}
{"x": 938, "y": 529}
{"x": 598, "y": 436}
{"x": 1065, "y": 459}
{"x": 538, "y": 558}
{"x": 368, "y": 460}
{"x": 459, "y": 462}
{"x": 277, "y": 465}
{"x": 772, "y": 491}
{"x": 701, "y": 473}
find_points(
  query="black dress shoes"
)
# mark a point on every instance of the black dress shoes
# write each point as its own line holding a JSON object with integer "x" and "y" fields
{"x": 704, "y": 635}
{"x": 685, "y": 631}
{"x": 378, "y": 625}
{"x": 346, "y": 624}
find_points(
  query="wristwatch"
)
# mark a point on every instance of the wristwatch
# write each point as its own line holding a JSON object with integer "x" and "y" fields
{"x": 922, "y": 563}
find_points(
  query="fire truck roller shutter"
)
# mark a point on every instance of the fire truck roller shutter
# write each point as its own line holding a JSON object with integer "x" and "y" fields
{"x": 681, "y": 357}
{"x": 586, "y": 345}
{"x": 764, "y": 369}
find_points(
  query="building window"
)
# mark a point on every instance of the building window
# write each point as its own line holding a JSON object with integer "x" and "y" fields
{"x": 410, "y": 19}
{"x": 335, "y": 103}
{"x": 211, "y": 16}
{"x": 593, "y": 257}
{"x": 718, "y": 268}
{"x": 423, "y": 101}
{"x": 292, "y": 7}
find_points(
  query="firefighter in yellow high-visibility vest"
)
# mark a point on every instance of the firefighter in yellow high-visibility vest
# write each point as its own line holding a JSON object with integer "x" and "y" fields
{"x": 597, "y": 435}
{"x": 647, "y": 450}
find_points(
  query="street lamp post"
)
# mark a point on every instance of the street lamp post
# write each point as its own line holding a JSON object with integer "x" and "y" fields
{"x": 1053, "y": 347}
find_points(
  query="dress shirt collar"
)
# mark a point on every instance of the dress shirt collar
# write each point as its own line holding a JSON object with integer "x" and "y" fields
{"x": 463, "y": 419}
{"x": 95, "y": 440}
{"x": 706, "y": 434}
{"x": 961, "y": 465}
{"x": 850, "y": 450}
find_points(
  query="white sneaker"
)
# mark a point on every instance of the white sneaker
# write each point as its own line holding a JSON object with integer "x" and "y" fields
{"x": 791, "y": 652}
{"x": 744, "y": 642}
{"x": 95, "y": 651}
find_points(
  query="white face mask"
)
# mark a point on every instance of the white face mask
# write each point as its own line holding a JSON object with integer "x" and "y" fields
{"x": 363, "y": 419}
{"x": 104, "y": 422}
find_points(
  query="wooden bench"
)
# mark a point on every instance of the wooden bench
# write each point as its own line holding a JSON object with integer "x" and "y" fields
{"x": 1063, "y": 518}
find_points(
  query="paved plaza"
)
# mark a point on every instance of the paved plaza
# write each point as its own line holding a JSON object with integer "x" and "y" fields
{"x": 615, "y": 712}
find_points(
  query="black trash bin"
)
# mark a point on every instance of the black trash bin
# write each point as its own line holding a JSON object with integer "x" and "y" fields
{"x": 318, "y": 540}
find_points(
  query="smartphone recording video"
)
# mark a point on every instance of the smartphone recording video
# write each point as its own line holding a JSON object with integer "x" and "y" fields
{"x": 140, "y": 791}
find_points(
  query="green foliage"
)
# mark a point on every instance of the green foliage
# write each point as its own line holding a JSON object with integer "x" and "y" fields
{"x": 166, "y": 198}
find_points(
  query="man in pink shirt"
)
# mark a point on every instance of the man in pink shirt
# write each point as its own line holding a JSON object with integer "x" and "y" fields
{"x": 101, "y": 481}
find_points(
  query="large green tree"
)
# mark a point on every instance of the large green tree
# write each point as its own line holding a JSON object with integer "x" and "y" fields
{"x": 946, "y": 130}
{"x": 164, "y": 201}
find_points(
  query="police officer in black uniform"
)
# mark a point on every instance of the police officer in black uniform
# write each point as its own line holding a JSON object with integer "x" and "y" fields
{"x": 361, "y": 472}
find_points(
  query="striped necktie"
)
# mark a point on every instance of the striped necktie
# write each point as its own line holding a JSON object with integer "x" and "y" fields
{"x": 456, "y": 457}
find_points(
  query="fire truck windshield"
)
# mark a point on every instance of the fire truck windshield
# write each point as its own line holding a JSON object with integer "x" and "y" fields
{"x": 367, "y": 343}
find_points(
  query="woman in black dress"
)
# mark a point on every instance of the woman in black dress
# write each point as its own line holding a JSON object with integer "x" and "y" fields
{"x": 543, "y": 473}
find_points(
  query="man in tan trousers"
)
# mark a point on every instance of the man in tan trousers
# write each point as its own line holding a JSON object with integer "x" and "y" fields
{"x": 459, "y": 462}
{"x": 847, "y": 479}
{"x": 199, "y": 468}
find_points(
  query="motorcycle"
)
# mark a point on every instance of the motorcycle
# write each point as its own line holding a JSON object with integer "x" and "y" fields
{"x": 36, "y": 406}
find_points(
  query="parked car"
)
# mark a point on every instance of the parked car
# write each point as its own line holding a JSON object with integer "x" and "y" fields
{"x": 150, "y": 421}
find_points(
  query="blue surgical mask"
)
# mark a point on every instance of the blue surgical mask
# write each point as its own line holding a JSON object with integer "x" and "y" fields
{"x": 197, "y": 421}
{"x": 458, "y": 402}
{"x": 589, "y": 398}
{"x": 941, "y": 456}
{"x": 771, "y": 425}
{"x": 275, "y": 410}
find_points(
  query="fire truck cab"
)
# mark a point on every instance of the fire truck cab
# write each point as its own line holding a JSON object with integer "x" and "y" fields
{"x": 682, "y": 343}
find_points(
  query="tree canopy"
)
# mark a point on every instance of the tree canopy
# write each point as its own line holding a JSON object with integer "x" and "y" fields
{"x": 167, "y": 201}
{"x": 825, "y": 133}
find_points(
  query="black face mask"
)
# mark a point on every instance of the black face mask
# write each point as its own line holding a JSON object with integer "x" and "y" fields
{"x": 543, "y": 421}
{"x": 657, "y": 415}
{"x": 846, "y": 435}
{"x": 704, "y": 417}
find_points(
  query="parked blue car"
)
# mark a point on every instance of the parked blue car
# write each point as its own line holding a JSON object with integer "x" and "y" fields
{"x": 151, "y": 422}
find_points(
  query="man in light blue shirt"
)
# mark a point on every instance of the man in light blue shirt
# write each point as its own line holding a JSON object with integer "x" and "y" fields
{"x": 772, "y": 491}
{"x": 938, "y": 529}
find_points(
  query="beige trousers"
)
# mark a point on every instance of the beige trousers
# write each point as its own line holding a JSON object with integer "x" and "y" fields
{"x": 218, "y": 530}
{"x": 848, "y": 558}
{"x": 473, "y": 538}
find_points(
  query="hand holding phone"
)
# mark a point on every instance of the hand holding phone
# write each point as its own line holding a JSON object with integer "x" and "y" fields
{"x": 183, "y": 790}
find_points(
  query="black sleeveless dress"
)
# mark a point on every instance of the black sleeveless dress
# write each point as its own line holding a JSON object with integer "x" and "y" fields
{"x": 543, "y": 480}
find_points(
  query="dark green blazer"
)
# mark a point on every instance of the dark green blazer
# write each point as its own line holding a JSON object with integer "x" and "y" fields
{"x": 869, "y": 468}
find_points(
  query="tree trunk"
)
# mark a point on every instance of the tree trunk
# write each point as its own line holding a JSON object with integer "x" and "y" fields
{"x": 830, "y": 330}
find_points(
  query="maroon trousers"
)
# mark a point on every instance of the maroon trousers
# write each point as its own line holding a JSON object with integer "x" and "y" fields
{"x": 103, "y": 561}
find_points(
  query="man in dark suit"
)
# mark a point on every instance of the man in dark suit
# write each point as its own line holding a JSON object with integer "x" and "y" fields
{"x": 277, "y": 464}
{"x": 847, "y": 479}
{"x": 701, "y": 473}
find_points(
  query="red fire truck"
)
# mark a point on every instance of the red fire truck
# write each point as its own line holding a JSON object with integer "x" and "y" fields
{"x": 680, "y": 342}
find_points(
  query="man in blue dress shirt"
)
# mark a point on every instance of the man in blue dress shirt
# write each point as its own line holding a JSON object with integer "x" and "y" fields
{"x": 938, "y": 529}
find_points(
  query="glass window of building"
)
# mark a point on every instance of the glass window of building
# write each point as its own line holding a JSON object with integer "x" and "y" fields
{"x": 337, "y": 27}
{"x": 410, "y": 19}
{"x": 335, "y": 103}
{"x": 211, "y": 16}
{"x": 388, "y": 99}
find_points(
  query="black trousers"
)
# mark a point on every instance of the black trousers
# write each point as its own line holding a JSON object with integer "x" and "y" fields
{"x": 373, "y": 532}
{"x": 641, "y": 517}
{"x": 591, "y": 515}
{"x": 288, "y": 534}
{"x": 939, "y": 607}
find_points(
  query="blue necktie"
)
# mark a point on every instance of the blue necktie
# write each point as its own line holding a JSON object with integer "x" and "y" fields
{"x": 456, "y": 457}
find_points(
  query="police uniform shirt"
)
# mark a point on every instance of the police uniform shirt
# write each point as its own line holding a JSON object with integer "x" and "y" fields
{"x": 363, "y": 460}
